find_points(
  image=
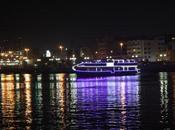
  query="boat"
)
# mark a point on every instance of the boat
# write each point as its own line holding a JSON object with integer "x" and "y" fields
{"x": 107, "y": 67}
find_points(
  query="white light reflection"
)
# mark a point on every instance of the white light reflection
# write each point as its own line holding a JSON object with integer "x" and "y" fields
{"x": 73, "y": 88}
{"x": 164, "y": 97}
{"x": 173, "y": 90}
{"x": 37, "y": 100}
{"x": 123, "y": 104}
{"x": 17, "y": 77}
{"x": 73, "y": 77}
{"x": 39, "y": 78}
{"x": 28, "y": 109}
{"x": 51, "y": 77}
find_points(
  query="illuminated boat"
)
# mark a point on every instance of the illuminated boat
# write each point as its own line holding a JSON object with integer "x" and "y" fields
{"x": 108, "y": 67}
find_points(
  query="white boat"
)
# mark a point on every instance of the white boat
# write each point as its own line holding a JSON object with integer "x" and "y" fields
{"x": 107, "y": 67}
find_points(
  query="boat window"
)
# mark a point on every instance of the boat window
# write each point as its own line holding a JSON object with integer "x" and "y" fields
{"x": 81, "y": 68}
{"x": 125, "y": 61}
{"x": 98, "y": 69}
{"x": 91, "y": 69}
{"x": 94, "y": 64}
{"x": 118, "y": 68}
{"x": 121, "y": 68}
{"x": 116, "y": 62}
{"x": 132, "y": 61}
{"x": 120, "y": 61}
{"x": 107, "y": 69}
{"x": 128, "y": 61}
{"x": 131, "y": 68}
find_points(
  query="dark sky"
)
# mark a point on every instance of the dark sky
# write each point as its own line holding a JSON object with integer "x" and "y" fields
{"x": 46, "y": 23}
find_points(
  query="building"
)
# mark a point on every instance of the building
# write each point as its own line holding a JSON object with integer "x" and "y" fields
{"x": 170, "y": 40}
{"x": 147, "y": 50}
{"x": 14, "y": 58}
{"x": 105, "y": 47}
{"x": 86, "y": 53}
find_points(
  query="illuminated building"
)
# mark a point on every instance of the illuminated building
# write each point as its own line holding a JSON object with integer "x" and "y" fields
{"x": 151, "y": 50}
{"x": 86, "y": 53}
{"x": 102, "y": 49}
{"x": 170, "y": 39}
{"x": 12, "y": 58}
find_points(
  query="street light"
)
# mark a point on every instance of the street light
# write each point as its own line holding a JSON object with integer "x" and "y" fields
{"x": 121, "y": 46}
{"x": 26, "y": 50}
{"x": 61, "y": 47}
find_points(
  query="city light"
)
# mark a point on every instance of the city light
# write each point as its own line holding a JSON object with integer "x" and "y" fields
{"x": 38, "y": 60}
{"x": 61, "y": 47}
{"x": 86, "y": 58}
{"x": 48, "y": 53}
{"x": 51, "y": 59}
{"x": 121, "y": 44}
{"x": 27, "y": 51}
{"x": 12, "y": 58}
{"x": 57, "y": 59}
{"x": 9, "y": 57}
{"x": 10, "y": 52}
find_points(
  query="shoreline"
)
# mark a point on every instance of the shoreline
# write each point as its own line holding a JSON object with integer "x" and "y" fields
{"x": 144, "y": 67}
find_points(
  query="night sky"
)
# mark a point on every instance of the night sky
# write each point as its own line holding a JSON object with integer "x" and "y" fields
{"x": 45, "y": 24}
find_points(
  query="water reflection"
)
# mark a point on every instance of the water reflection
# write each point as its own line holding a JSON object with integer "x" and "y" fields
{"x": 62, "y": 101}
{"x": 173, "y": 98}
{"x": 164, "y": 97}
{"x": 8, "y": 100}
{"x": 107, "y": 102}
{"x": 28, "y": 100}
{"x": 16, "y": 101}
{"x": 37, "y": 105}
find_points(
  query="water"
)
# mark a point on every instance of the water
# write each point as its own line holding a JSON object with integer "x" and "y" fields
{"x": 64, "y": 101}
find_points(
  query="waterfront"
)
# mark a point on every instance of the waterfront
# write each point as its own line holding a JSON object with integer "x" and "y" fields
{"x": 65, "y": 101}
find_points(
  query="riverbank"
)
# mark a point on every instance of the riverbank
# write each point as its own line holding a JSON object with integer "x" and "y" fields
{"x": 32, "y": 69}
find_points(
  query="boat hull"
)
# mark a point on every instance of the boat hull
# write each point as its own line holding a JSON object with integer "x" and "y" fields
{"x": 106, "y": 73}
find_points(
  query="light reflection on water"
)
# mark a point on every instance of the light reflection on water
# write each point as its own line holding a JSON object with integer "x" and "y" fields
{"x": 62, "y": 101}
{"x": 164, "y": 97}
{"x": 108, "y": 102}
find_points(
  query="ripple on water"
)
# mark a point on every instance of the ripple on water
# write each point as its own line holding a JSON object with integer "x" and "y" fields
{"x": 60, "y": 101}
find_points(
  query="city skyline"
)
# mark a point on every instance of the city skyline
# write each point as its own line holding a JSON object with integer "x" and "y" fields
{"x": 46, "y": 24}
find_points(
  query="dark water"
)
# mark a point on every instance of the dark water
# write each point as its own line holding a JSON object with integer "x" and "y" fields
{"x": 63, "y": 102}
